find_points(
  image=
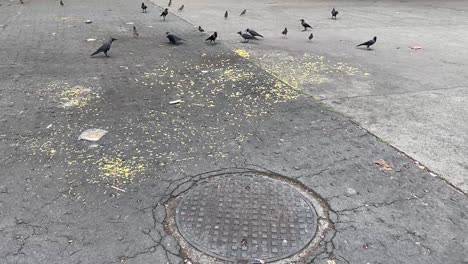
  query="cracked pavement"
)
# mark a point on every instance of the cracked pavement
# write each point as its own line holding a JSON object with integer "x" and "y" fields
{"x": 68, "y": 201}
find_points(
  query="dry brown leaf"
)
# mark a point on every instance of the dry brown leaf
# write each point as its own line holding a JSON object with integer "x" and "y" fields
{"x": 385, "y": 166}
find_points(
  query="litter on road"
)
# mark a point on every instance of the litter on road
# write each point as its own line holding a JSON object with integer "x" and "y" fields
{"x": 92, "y": 134}
{"x": 384, "y": 165}
{"x": 176, "y": 102}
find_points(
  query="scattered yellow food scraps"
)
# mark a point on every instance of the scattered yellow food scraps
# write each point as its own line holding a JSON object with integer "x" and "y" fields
{"x": 118, "y": 170}
{"x": 304, "y": 69}
{"x": 52, "y": 152}
{"x": 283, "y": 92}
{"x": 77, "y": 96}
{"x": 46, "y": 148}
{"x": 243, "y": 53}
{"x": 237, "y": 74}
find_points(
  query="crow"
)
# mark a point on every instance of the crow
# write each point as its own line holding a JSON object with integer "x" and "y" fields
{"x": 61, "y": 3}
{"x": 135, "y": 32}
{"x": 334, "y": 13}
{"x": 212, "y": 38}
{"x": 285, "y": 32}
{"x": 173, "y": 39}
{"x": 311, "y": 36}
{"x": 21, "y": 1}
{"x": 226, "y": 15}
{"x": 243, "y": 12}
{"x": 368, "y": 43}
{"x": 143, "y": 7}
{"x": 164, "y": 13}
{"x": 246, "y": 36}
{"x": 200, "y": 29}
{"x": 253, "y": 33}
{"x": 181, "y": 8}
{"x": 305, "y": 25}
{"x": 105, "y": 47}
{"x": 170, "y": 3}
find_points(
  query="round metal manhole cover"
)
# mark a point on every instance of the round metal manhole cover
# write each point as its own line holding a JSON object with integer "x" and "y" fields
{"x": 241, "y": 217}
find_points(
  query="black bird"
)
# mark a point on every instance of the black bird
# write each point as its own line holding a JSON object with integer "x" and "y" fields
{"x": 181, "y": 8}
{"x": 311, "y": 36}
{"x": 334, "y": 13}
{"x": 164, "y": 13}
{"x": 170, "y": 3}
{"x": 212, "y": 38}
{"x": 105, "y": 47}
{"x": 243, "y": 12}
{"x": 368, "y": 43}
{"x": 135, "y": 32}
{"x": 246, "y": 36}
{"x": 21, "y": 1}
{"x": 200, "y": 29}
{"x": 173, "y": 39}
{"x": 305, "y": 25}
{"x": 253, "y": 33}
{"x": 61, "y": 3}
{"x": 285, "y": 32}
{"x": 226, "y": 15}
{"x": 143, "y": 6}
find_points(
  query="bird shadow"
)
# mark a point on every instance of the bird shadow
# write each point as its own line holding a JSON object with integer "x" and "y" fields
{"x": 250, "y": 42}
{"x": 366, "y": 49}
{"x": 100, "y": 57}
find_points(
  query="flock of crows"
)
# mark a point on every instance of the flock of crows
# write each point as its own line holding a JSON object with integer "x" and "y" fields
{"x": 247, "y": 35}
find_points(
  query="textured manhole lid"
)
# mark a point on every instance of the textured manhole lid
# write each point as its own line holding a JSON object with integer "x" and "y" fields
{"x": 246, "y": 216}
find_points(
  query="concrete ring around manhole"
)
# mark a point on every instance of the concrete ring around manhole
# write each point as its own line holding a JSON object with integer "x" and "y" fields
{"x": 247, "y": 216}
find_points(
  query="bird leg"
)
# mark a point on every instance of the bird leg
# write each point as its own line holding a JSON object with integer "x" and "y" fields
{"x": 105, "y": 53}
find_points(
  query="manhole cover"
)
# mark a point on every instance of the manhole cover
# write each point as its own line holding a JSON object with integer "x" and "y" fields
{"x": 246, "y": 216}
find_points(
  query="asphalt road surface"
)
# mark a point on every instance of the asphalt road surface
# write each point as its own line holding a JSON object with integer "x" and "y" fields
{"x": 241, "y": 108}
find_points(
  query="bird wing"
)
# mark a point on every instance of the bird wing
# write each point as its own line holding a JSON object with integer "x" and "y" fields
{"x": 254, "y": 33}
{"x": 171, "y": 39}
{"x": 177, "y": 38}
{"x": 306, "y": 25}
{"x": 104, "y": 47}
{"x": 258, "y": 34}
{"x": 248, "y": 36}
{"x": 370, "y": 42}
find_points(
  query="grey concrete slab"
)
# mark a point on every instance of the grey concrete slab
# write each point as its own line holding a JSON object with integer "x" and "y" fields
{"x": 394, "y": 69}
